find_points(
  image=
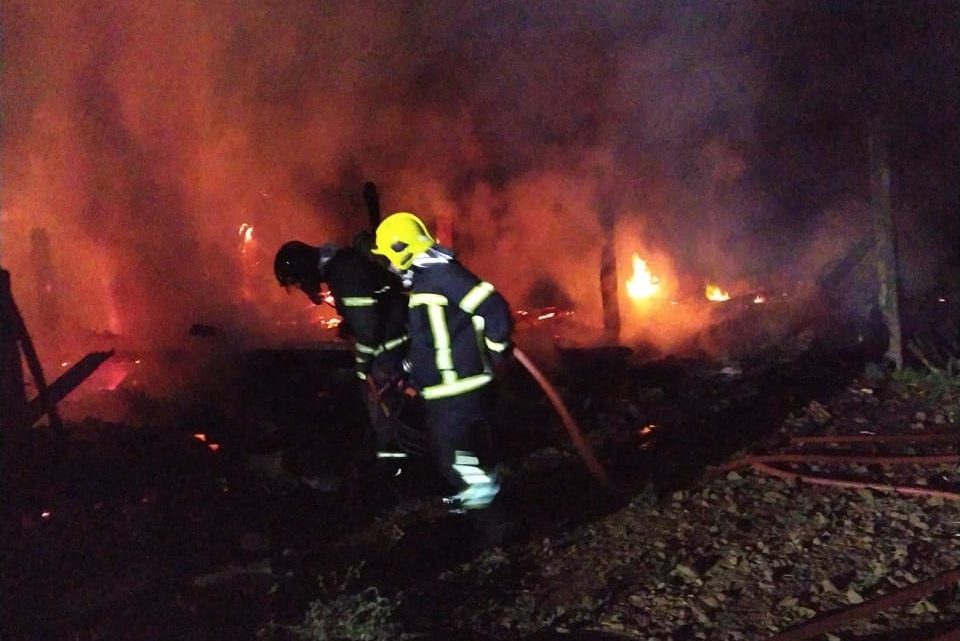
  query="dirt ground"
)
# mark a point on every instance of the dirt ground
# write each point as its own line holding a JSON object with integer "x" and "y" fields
{"x": 149, "y": 532}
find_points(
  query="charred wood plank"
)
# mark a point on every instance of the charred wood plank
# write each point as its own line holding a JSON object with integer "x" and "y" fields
{"x": 13, "y": 394}
{"x": 15, "y": 333}
{"x": 46, "y": 401}
{"x": 372, "y": 200}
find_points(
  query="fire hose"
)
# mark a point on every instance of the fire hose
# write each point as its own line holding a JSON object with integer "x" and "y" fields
{"x": 764, "y": 463}
{"x": 583, "y": 448}
{"x": 810, "y": 479}
{"x": 573, "y": 430}
{"x": 912, "y": 592}
{"x": 862, "y": 459}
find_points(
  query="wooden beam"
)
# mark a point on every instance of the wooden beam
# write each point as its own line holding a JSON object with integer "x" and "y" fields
{"x": 13, "y": 395}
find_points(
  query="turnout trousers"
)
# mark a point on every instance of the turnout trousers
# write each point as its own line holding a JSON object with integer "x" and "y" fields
{"x": 460, "y": 436}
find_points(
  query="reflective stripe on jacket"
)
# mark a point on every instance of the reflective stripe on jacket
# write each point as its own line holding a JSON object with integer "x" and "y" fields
{"x": 372, "y": 304}
{"x": 456, "y": 321}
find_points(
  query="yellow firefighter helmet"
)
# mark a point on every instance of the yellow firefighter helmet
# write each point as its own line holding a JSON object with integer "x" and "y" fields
{"x": 400, "y": 237}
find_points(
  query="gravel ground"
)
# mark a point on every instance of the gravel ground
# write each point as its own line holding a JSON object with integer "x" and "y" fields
{"x": 735, "y": 555}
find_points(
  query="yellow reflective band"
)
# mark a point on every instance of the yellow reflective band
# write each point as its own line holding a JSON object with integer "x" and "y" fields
{"x": 478, "y": 325}
{"x": 445, "y": 359}
{"x": 358, "y": 301}
{"x": 494, "y": 346}
{"x": 361, "y": 376}
{"x": 395, "y": 343}
{"x": 427, "y": 299}
{"x": 363, "y": 348}
{"x": 472, "y": 475}
{"x": 441, "y": 337}
{"x": 461, "y": 457}
{"x": 461, "y": 386}
{"x": 476, "y": 296}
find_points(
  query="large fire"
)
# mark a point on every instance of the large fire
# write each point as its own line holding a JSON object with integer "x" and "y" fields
{"x": 642, "y": 284}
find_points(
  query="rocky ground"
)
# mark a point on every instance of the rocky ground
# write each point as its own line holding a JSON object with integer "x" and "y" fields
{"x": 150, "y": 533}
{"x": 730, "y": 555}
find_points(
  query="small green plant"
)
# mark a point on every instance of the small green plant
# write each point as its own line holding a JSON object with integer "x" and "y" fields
{"x": 942, "y": 383}
{"x": 363, "y": 616}
{"x": 340, "y": 614}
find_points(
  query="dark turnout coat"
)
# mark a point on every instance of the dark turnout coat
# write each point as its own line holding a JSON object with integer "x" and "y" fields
{"x": 372, "y": 304}
{"x": 459, "y": 327}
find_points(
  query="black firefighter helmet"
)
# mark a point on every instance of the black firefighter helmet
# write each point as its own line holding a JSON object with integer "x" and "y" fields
{"x": 298, "y": 263}
{"x": 295, "y": 263}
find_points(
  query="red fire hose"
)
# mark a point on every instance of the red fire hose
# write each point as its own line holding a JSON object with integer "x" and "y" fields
{"x": 573, "y": 430}
{"x": 870, "y": 439}
{"x": 913, "y": 592}
{"x": 861, "y": 459}
{"x": 911, "y": 490}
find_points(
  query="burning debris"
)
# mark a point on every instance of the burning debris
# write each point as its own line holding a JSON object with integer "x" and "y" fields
{"x": 17, "y": 412}
{"x": 689, "y": 229}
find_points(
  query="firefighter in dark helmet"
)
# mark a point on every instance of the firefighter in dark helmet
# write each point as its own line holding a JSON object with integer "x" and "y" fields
{"x": 460, "y": 331}
{"x": 373, "y": 307}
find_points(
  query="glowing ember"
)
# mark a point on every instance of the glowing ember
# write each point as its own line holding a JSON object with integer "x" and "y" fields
{"x": 111, "y": 374}
{"x": 759, "y": 298}
{"x": 714, "y": 293}
{"x": 200, "y": 437}
{"x": 642, "y": 284}
{"x": 249, "y": 261}
{"x": 246, "y": 236}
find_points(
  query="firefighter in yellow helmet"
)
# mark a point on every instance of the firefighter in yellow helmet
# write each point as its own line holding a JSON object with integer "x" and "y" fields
{"x": 460, "y": 330}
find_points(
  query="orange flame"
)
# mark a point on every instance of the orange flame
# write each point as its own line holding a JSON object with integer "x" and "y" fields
{"x": 714, "y": 293}
{"x": 642, "y": 284}
{"x": 246, "y": 236}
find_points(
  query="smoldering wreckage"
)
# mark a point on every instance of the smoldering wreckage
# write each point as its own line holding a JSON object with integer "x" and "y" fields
{"x": 801, "y": 485}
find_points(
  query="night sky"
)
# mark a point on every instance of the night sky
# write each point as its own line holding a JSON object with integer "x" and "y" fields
{"x": 729, "y": 139}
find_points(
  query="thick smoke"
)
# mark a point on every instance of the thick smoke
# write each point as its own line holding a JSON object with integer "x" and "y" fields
{"x": 139, "y": 137}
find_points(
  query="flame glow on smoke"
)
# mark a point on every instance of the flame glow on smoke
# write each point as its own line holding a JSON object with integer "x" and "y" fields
{"x": 139, "y": 135}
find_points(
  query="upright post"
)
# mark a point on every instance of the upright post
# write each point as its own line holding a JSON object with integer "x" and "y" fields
{"x": 13, "y": 394}
{"x": 888, "y": 293}
{"x": 608, "y": 277}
